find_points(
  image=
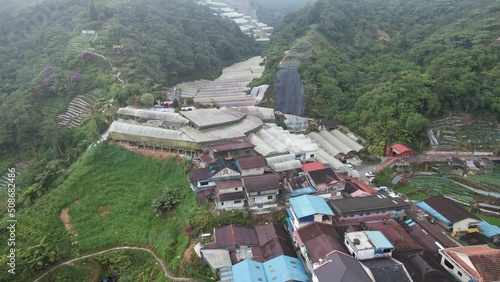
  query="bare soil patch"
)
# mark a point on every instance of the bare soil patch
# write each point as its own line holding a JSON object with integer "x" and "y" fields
{"x": 78, "y": 202}
{"x": 104, "y": 210}
{"x": 66, "y": 219}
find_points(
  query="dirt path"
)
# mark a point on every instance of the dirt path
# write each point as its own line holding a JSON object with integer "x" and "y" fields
{"x": 162, "y": 263}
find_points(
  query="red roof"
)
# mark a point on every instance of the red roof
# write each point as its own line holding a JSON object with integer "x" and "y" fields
{"x": 401, "y": 149}
{"x": 312, "y": 166}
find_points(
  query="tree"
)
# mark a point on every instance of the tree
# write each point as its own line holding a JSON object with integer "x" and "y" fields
{"x": 166, "y": 201}
{"x": 92, "y": 11}
{"x": 147, "y": 99}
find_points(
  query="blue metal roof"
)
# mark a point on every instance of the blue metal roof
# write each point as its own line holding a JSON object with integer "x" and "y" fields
{"x": 303, "y": 191}
{"x": 249, "y": 271}
{"x": 285, "y": 268}
{"x": 379, "y": 240}
{"x": 489, "y": 230}
{"x": 433, "y": 212}
{"x": 307, "y": 205}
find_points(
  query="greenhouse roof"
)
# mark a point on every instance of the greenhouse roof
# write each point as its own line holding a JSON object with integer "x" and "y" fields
{"x": 288, "y": 165}
{"x": 324, "y": 144}
{"x": 260, "y": 112}
{"x": 355, "y": 146}
{"x": 261, "y": 147}
{"x": 148, "y": 131}
{"x": 206, "y": 118}
{"x": 238, "y": 129}
{"x": 326, "y": 158}
{"x": 149, "y": 114}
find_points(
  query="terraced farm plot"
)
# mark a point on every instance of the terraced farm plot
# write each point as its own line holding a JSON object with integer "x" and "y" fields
{"x": 465, "y": 134}
{"x": 79, "y": 109}
{"x": 79, "y": 43}
{"x": 492, "y": 178}
{"x": 442, "y": 186}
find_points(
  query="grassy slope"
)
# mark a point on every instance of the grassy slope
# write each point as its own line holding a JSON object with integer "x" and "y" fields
{"x": 110, "y": 179}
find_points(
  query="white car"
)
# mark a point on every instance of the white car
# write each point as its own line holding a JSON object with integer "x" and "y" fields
{"x": 349, "y": 166}
{"x": 370, "y": 174}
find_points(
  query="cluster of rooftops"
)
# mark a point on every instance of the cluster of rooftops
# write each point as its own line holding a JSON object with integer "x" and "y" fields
{"x": 347, "y": 240}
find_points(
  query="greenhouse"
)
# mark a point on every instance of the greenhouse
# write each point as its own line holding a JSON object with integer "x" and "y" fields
{"x": 171, "y": 120}
{"x": 261, "y": 146}
{"x": 344, "y": 149}
{"x": 324, "y": 144}
{"x": 353, "y": 145}
{"x": 151, "y": 136}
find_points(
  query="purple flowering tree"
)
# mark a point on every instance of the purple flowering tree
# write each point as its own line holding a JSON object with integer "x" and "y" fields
{"x": 46, "y": 82}
{"x": 74, "y": 78}
{"x": 86, "y": 55}
{"x": 47, "y": 71}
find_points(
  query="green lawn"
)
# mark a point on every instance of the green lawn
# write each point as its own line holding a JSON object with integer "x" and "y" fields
{"x": 420, "y": 196}
{"x": 490, "y": 219}
{"x": 404, "y": 190}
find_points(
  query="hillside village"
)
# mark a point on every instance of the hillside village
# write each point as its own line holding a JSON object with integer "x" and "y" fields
{"x": 335, "y": 220}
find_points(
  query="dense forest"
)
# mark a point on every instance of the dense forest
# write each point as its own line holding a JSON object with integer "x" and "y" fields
{"x": 386, "y": 67}
{"x": 273, "y": 13}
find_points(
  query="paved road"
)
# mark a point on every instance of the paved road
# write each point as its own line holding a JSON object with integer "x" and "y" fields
{"x": 162, "y": 263}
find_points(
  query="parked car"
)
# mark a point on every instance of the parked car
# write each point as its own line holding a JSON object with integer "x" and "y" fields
{"x": 370, "y": 174}
{"x": 349, "y": 166}
{"x": 382, "y": 189}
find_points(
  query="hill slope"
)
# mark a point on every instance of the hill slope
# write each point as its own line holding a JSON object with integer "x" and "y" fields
{"x": 386, "y": 67}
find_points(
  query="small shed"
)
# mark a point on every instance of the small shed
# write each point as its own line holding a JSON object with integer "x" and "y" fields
{"x": 398, "y": 150}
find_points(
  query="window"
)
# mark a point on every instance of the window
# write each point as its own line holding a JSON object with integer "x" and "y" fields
{"x": 203, "y": 183}
{"x": 221, "y": 203}
{"x": 236, "y": 189}
{"x": 252, "y": 199}
{"x": 312, "y": 155}
{"x": 237, "y": 202}
{"x": 270, "y": 197}
{"x": 258, "y": 193}
{"x": 459, "y": 273}
{"x": 448, "y": 264}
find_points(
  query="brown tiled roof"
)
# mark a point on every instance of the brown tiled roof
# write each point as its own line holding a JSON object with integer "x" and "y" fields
{"x": 226, "y": 184}
{"x": 274, "y": 241}
{"x": 239, "y": 195}
{"x": 320, "y": 239}
{"x": 486, "y": 261}
{"x": 251, "y": 162}
{"x": 231, "y": 236}
{"x": 312, "y": 166}
{"x": 449, "y": 209}
{"x": 231, "y": 146}
{"x": 401, "y": 240}
{"x": 324, "y": 176}
{"x": 261, "y": 183}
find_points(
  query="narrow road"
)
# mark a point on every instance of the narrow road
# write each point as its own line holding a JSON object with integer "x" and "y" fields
{"x": 162, "y": 263}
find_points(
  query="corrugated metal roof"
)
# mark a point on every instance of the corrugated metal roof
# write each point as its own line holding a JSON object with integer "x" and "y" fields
{"x": 307, "y": 205}
{"x": 303, "y": 191}
{"x": 216, "y": 258}
{"x": 148, "y": 131}
{"x": 249, "y": 271}
{"x": 489, "y": 230}
{"x": 285, "y": 268}
{"x": 265, "y": 114}
{"x": 379, "y": 240}
{"x": 433, "y": 212}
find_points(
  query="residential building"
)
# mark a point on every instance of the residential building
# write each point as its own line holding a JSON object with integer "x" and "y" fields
{"x": 282, "y": 268}
{"x": 260, "y": 243}
{"x": 252, "y": 165}
{"x": 328, "y": 183}
{"x": 381, "y": 206}
{"x": 315, "y": 241}
{"x": 398, "y": 150}
{"x": 368, "y": 244}
{"x": 229, "y": 194}
{"x": 472, "y": 263}
{"x": 231, "y": 150}
{"x": 202, "y": 181}
{"x": 261, "y": 190}
{"x": 387, "y": 269}
{"x": 450, "y": 214}
{"x": 307, "y": 209}
{"x": 340, "y": 267}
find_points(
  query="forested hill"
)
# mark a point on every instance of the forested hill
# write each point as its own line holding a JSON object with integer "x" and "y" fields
{"x": 44, "y": 59}
{"x": 386, "y": 67}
